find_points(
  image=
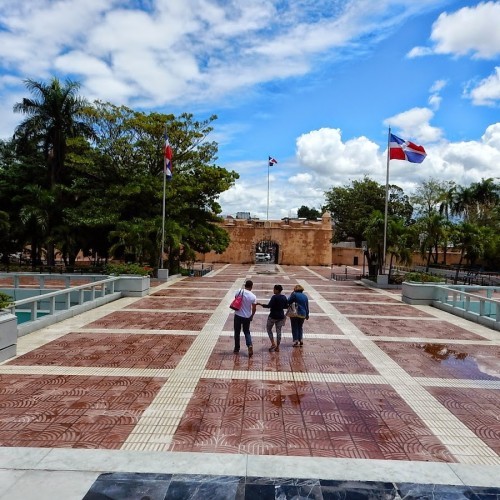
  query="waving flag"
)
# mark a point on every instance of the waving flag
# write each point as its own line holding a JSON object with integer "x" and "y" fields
{"x": 272, "y": 161}
{"x": 400, "y": 149}
{"x": 167, "y": 162}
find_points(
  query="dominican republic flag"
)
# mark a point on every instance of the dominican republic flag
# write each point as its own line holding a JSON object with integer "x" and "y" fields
{"x": 272, "y": 161}
{"x": 167, "y": 162}
{"x": 400, "y": 149}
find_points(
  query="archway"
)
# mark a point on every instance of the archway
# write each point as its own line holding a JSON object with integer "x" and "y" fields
{"x": 267, "y": 251}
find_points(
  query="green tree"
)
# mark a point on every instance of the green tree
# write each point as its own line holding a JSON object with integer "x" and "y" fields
{"x": 431, "y": 234}
{"x": 374, "y": 237}
{"x": 308, "y": 213}
{"x": 472, "y": 241}
{"x": 124, "y": 182}
{"x": 400, "y": 242}
{"x": 54, "y": 115}
{"x": 351, "y": 207}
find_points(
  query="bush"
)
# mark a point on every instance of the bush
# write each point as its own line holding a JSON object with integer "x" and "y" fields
{"x": 128, "y": 269}
{"x": 397, "y": 279}
{"x": 422, "y": 277}
{"x": 5, "y": 300}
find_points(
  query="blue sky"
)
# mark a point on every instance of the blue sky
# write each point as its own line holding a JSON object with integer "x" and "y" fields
{"x": 313, "y": 83}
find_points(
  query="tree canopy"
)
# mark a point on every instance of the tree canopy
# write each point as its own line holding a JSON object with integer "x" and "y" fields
{"x": 89, "y": 177}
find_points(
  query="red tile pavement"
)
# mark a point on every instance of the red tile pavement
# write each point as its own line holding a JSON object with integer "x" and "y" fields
{"x": 464, "y": 404}
{"x": 190, "y": 292}
{"x": 315, "y": 324}
{"x": 72, "y": 411}
{"x": 358, "y": 297}
{"x": 380, "y": 310}
{"x": 172, "y": 303}
{"x": 478, "y": 362}
{"x": 152, "y": 320}
{"x": 411, "y": 328}
{"x": 296, "y": 418}
{"x": 299, "y": 418}
{"x": 109, "y": 350}
{"x": 317, "y": 355}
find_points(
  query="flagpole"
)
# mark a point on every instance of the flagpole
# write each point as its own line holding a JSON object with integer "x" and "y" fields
{"x": 163, "y": 208}
{"x": 163, "y": 219}
{"x": 386, "y": 200}
{"x": 268, "y": 165}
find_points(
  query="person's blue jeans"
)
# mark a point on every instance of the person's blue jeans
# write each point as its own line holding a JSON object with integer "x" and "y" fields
{"x": 239, "y": 323}
{"x": 297, "y": 328}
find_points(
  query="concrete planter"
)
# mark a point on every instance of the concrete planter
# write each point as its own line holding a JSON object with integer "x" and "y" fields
{"x": 133, "y": 286}
{"x": 416, "y": 293}
{"x": 8, "y": 335}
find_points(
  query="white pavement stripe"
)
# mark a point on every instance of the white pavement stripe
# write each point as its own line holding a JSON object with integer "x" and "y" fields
{"x": 428, "y": 408}
{"x": 174, "y": 396}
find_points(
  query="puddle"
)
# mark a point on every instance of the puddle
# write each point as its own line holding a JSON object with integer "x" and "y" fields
{"x": 462, "y": 363}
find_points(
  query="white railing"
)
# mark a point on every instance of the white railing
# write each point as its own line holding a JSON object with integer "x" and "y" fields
{"x": 483, "y": 309}
{"x": 63, "y": 300}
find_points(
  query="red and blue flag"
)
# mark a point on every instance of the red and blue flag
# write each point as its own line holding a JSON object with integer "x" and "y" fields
{"x": 167, "y": 162}
{"x": 272, "y": 161}
{"x": 399, "y": 149}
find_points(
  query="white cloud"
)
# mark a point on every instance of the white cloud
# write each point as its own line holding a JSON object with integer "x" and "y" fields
{"x": 414, "y": 124}
{"x": 437, "y": 86}
{"x": 323, "y": 152}
{"x": 323, "y": 160}
{"x": 192, "y": 50}
{"x": 470, "y": 30}
{"x": 487, "y": 91}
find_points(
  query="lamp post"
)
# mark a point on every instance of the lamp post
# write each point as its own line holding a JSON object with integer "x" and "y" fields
{"x": 365, "y": 248}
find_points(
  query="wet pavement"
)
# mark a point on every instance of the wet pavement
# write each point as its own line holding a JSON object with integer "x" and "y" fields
{"x": 383, "y": 399}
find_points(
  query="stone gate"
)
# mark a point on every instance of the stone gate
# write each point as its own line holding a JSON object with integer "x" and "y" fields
{"x": 287, "y": 241}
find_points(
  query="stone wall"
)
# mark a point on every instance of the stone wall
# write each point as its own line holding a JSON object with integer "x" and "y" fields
{"x": 293, "y": 241}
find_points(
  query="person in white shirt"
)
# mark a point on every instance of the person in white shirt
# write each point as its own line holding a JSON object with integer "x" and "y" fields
{"x": 243, "y": 317}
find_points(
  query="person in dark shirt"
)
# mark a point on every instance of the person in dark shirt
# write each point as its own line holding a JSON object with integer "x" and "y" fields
{"x": 297, "y": 323}
{"x": 276, "y": 305}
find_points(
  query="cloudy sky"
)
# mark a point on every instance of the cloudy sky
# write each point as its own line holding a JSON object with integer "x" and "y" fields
{"x": 313, "y": 83}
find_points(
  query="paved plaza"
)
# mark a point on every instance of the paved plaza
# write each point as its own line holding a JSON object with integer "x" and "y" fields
{"x": 144, "y": 398}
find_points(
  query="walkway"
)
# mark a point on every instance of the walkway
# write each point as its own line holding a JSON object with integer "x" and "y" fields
{"x": 144, "y": 398}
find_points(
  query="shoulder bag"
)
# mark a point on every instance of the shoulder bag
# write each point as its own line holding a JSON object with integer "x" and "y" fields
{"x": 237, "y": 301}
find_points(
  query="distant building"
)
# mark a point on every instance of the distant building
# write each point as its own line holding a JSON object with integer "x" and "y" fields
{"x": 243, "y": 215}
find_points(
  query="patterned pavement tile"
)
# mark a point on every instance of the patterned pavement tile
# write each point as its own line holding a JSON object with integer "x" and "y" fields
{"x": 152, "y": 320}
{"x": 464, "y": 404}
{"x": 72, "y": 411}
{"x": 173, "y": 303}
{"x": 189, "y": 292}
{"x": 104, "y": 350}
{"x": 311, "y": 419}
{"x": 410, "y": 328}
{"x": 318, "y": 356}
{"x": 380, "y": 310}
{"x": 446, "y": 360}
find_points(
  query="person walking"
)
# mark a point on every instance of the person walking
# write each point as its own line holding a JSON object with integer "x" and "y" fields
{"x": 276, "y": 317}
{"x": 297, "y": 323}
{"x": 243, "y": 316}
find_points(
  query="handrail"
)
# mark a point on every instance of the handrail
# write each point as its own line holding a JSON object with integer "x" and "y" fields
{"x": 459, "y": 295}
{"x": 51, "y": 296}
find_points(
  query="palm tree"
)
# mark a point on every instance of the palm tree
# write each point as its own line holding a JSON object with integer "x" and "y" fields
{"x": 54, "y": 115}
{"x": 471, "y": 240}
{"x": 374, "y": 234}
{"x": 134, "y": 240}
{"x": 399, "y": 242}
{"x": 431, "y": 234}
{"x": 34, "y": 216}
{"x": 486, "y": 195}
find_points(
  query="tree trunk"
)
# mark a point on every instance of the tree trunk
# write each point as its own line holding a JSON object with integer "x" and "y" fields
{"x": 50, "y": 254}
{"x": 459, "y": 265}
